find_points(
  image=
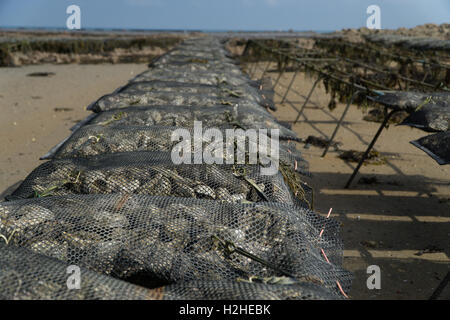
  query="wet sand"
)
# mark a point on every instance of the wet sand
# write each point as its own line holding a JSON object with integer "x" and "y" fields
{"x": 37, "y": 112}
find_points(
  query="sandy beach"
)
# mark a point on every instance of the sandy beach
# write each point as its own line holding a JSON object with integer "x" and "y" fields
{"x": 37, "y": 112}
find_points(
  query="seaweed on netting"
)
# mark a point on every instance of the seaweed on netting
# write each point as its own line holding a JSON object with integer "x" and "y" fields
{"x": 299, "y": 189}
{"x": 153, "y": 173}
{"x": 373, "y": 158}
{"x": 406, "y": 66}
{"x": 341, "y": 91}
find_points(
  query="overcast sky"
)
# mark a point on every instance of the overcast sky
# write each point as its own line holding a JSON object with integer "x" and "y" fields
{"x": 325, "y": 15}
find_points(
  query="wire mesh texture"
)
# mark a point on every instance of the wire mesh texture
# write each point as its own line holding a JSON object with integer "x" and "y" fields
{"x": 180, "y": 116}
{"x": 427, "y": 111}
{"x": 154, "y": 173}
{"x": 92, "y": 140}
{"x": 179, "y": 93}
{"x": 411, "y": 101}
{"x": 195, "y": 61}
{"x": 113, "y": 202}
{"x": 230, "y": 290}
{"x": 26, "y": 275}
{"x": 190, "y": 75}
{"x": 154, "y": 241}
{"x": 149, "y": 98}
{"x": 436, "y": 146}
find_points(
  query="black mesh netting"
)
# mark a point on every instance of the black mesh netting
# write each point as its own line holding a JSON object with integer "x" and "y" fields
{"x": 155, "y": 98}
{"x": 153, "y": 173}
{"x": 427, "y": 111}
{"x": 219, "y": 290}
{"x": 179, "y": 116}
{"x": 436, "y": 146}
{"x": 151, "y": 92}
{"x": 411, "y": 101}
{"x": 198, "y": 63}
{"x": 197, "y": 54}
{"x": 160, "y": 240}
{"x": 26, "y": 275}
{"x": 188, "y": 74}
{"x": 92, "y": 140}
{"x": 430, "y": 117}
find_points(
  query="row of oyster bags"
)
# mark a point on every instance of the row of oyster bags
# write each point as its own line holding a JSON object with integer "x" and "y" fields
{"x": 154, "y": 241}
{"x": 124, "y": 231}
{"x": 196, "y": 93}
{"x": 26, "y": 275}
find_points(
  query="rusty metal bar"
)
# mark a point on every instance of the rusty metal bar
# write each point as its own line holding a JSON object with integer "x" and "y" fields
{"x": 265, "y": 69}
{"x": 289, "y": 87}
{"x": 279, "y": 77}
{"x": 372, "y": 143}
{"x": 307, "y": 98}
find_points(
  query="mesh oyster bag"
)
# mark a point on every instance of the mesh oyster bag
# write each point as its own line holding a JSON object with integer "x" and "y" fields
{"x": 411, "y": 101}
{"x": 214, "y": 54}
{"x": 141, "y": 92}
{"x": 218, "y": 50}
{"x": 92, "y": 140}
{"x": 153, "y": 173}
{"x": 186, "y": 75}
{"x": 436, "y": 146}
{"x": 233, "y": 290}
{"x": 212, "y": 48}
{"x": 428, "y": 111}
{"x": 185, "y": 60}
{"x": 430, "y": 118}
{"x": 153, "y": 241}
{"x": 155, "y": 98}
{"x": 26, "y": 275}
{"x": 198, "y": 63}
{"x": 179, "y": 116}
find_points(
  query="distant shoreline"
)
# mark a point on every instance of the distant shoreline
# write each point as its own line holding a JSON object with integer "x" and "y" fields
{"x": 124, "y": 30}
